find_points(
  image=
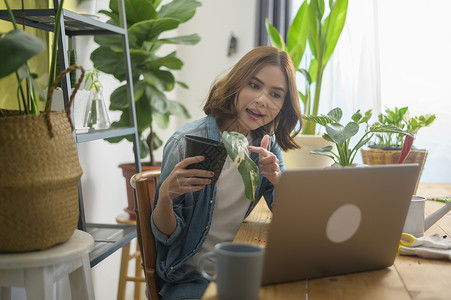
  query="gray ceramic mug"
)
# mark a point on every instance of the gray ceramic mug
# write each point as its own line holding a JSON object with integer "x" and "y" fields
{"x": 238, "y": 270}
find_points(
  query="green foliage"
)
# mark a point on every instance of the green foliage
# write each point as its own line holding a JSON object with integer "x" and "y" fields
{"x": 400, "y": 119}
{"x": 236, "y": 146}
{"x": 322, "y": 33}
{"x": 151, "y": 71}
{"x": 16, "y": 48}
{"x": 341, "y": 135}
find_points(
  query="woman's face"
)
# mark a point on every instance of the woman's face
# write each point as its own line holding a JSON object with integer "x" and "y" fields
{"x": 260, "y": 99}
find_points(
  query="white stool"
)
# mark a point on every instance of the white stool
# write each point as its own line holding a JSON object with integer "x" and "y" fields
{"x": 38, "y": 270}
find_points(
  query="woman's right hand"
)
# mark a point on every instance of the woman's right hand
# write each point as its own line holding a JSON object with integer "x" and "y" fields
{"x": 182, "y": 180}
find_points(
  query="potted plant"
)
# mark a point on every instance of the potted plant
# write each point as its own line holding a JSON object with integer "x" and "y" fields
{"x": 151, "y": 70}
{"x": 152, "y": 73}
{"x": 386, "y": 147}
{"x": 341, "y": 135}
{"x": 40, "y": 175}
{"x": 322, "y": 32}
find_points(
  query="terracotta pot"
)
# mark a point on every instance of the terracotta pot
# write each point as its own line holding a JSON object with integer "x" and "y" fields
{"x": 128, "y": 170}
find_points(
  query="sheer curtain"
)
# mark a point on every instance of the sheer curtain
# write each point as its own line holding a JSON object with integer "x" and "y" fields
{"x": 395, "y": 53}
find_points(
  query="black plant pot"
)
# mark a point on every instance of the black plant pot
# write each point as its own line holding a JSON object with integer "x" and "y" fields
{"x": 214, "y": 152}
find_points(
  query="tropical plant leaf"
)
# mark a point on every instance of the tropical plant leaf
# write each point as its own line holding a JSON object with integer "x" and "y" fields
{"x": 191, "y": 39}
{"x": 162, "y": 120}
{"x": 386, "y": 128}
{"x": 169, "y": 61}
{"x": 106, "y": 60}
{"x": 298, "y": 32}
{"x": 158, "y": 100}
{"x": 16, "y": 47}
{"x": 335, "y": 114}
{"x": 236, "y": 146}
{"x": 119, "y": 99}
{"x": 113, "y": 41}
{"x": 137, "y": 10}
{"x": 321, "y": 120}
{"x": 161, "y": 79}
{"x": 274, "y": 36}
{"x": 340, "y": 133}
{"x": 182, "y": 10}
{"x": 178, "y": 109}
{"x": 334, "y": 26}
{"x": 149, "y": 30}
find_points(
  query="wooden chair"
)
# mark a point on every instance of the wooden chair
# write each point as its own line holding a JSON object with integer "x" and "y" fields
{"x": 145, "y": 184}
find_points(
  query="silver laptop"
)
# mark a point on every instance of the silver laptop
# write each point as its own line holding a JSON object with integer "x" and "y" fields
{"x": 337, "y": 220}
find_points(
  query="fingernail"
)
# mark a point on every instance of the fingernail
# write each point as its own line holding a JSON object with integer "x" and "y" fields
{"x": 212, "y": 174}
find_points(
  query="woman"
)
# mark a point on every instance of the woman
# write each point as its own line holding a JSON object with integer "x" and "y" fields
{"x": 257, "y": 98}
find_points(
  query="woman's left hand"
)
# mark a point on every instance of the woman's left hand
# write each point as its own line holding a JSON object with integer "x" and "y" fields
{"x": 269, "y": 163}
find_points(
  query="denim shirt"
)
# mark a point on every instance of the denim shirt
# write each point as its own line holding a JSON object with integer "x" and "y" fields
{"x": 193, "y": 213}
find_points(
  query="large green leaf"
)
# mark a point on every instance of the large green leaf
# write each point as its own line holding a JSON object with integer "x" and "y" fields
{"x": 236, "y": 146}
{"x": 149, "y": 30}
{"x": 16, "y": 47}
{"x": 169, "y": 61}
{"x": 109, "y": 61}
{"x": 162, "y": 120}
{"x": 297, "y": 35}
{"x": 157, "y": 99}
{"x": 137, "y": 10}
{"x": 321, "y": 120}
{"x": 113, "y": 41}
{"x": 274, "y": 36}
{"x": 340, "y": 133}
{"x": 178, "y": 109}
{"x": 190, "y": 39}
{"x": 335, "y": 114}
{"x": 182, "y": 10}
{"x": 119, "y": 99}
{"x": 163, "y": 80}
{"x": 334, "y": 26}
{"x": 114, "y": 17}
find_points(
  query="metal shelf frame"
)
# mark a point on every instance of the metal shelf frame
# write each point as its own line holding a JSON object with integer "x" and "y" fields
{"x": 108, "y": 237}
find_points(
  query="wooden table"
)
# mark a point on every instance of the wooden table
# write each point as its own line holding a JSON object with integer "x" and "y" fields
{"x": 409, "y": 278}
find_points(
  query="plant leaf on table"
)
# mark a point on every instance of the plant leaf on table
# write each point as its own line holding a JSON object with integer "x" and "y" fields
{"x": 236, "y": 146}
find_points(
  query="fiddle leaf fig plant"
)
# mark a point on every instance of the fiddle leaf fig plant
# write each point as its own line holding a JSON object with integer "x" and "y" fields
{"x": 236, "y": 146}
{"x": 151, "y": 68}
{"x": 341, "y": 135}
{"x": 322, "y": 33}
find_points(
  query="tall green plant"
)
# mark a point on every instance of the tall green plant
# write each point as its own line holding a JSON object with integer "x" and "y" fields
{"x": 322, "y": 32}
{"x": 151, "y": 70}
{"x": 16, "y": 48}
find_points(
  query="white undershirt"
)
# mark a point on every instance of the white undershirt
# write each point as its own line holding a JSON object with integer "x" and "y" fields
{"x": 230, "y": 208}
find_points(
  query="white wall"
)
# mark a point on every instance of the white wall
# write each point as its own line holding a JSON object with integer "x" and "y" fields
{"x": 103, "y": 184}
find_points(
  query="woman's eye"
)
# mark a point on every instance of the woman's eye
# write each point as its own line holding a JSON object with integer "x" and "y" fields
{"x": 253, "y": 85}
{"x": 276, "y": 95}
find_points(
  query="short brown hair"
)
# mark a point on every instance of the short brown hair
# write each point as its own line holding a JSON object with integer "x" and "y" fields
{"x": 221, "y": 100}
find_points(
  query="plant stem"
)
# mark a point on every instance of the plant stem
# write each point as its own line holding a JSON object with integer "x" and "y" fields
{"x": 55, "y": 44}
{"x": 13, "y": 20}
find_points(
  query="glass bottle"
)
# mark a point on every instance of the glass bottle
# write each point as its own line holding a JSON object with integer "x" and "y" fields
{"x": 96, "y": 116}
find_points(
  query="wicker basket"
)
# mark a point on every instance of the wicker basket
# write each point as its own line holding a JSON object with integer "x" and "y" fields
{"x": 39, "y": 179}
{"x": 383, "y": 157}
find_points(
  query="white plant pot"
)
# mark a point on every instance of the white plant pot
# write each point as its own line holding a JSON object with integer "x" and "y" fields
{"x": 302, "y": 159}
